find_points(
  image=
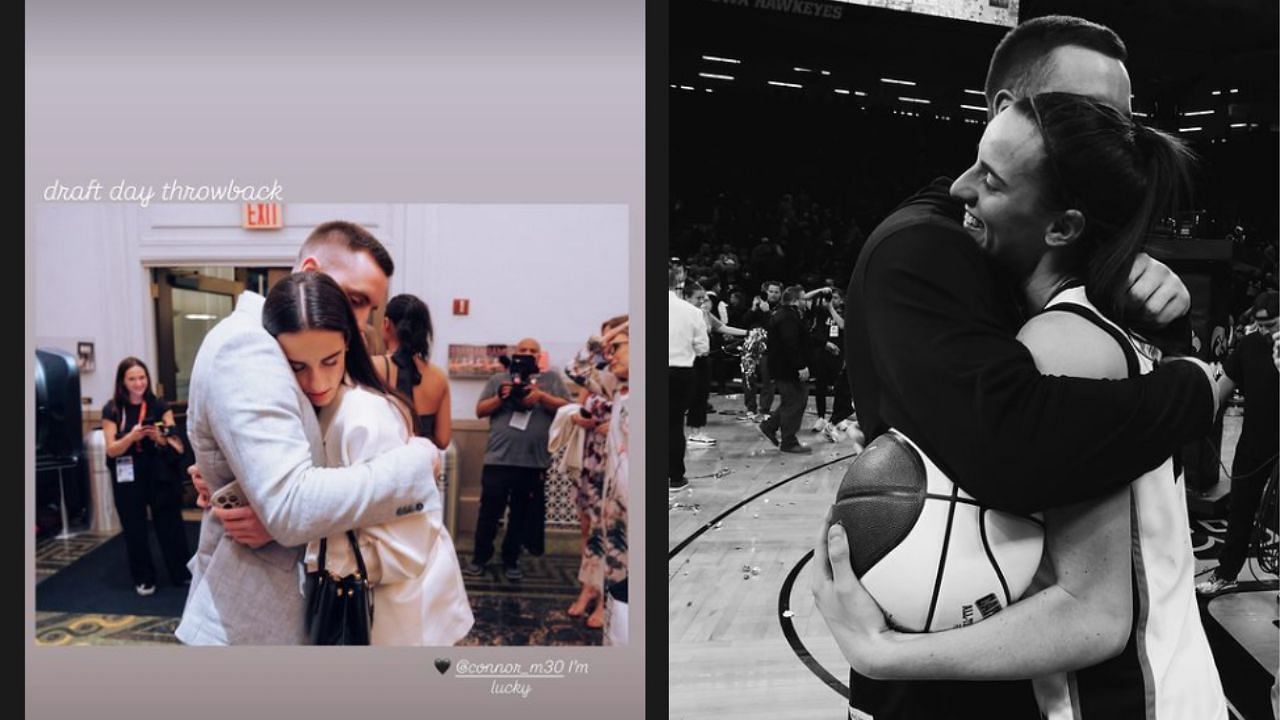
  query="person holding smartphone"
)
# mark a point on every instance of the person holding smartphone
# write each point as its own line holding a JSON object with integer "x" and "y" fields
{"x": 141, "y": 444}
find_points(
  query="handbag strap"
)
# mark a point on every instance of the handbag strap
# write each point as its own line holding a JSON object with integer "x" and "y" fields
{"x": 355, "y": 548}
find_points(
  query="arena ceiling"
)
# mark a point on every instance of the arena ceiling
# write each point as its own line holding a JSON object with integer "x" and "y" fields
{"x": 1181, "y": 52}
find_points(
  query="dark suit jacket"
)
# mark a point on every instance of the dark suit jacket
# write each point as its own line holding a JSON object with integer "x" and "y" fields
{"x": 788, "y": 343}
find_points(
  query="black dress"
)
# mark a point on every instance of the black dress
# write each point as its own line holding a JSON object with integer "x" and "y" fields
{"x": 406, "y": 378}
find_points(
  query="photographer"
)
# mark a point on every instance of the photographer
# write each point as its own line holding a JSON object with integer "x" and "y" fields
{"x": 142, "y": 448}
{"x": 826, "y": 342}
{"x": 520, "y": 405}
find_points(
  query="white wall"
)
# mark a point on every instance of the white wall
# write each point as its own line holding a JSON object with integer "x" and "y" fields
{"x": 551, "y": 272}
{"x": 83, "y": 291}
{"x": 554, "y": 272}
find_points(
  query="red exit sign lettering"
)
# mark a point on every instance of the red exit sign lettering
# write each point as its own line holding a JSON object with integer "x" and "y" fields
{"x": 262, "y": 216}
{"x": 461, "y": 306}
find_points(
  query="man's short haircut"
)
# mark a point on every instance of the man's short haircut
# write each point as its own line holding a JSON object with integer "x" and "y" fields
{"x": 1021, "y": 61}
{"x": 792, "y": 294}
{"x": 352, "y": 237}
{"x": 764, "y": 286}
{"x": 675, "y": 272}
{"x": 691, "y": 287}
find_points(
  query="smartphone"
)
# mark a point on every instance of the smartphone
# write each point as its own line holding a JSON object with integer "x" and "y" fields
{"x": 229, "y": 496}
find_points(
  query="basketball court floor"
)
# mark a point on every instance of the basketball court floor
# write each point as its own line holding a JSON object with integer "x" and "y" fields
{"x": 745, "y": 640}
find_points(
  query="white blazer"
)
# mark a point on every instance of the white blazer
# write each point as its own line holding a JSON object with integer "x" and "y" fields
{"x": 249, "y": 421}
{"x": 418, "y": 593}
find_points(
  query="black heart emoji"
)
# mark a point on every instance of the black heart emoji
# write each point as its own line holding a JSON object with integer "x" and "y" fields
{"x": 442, "y": 664}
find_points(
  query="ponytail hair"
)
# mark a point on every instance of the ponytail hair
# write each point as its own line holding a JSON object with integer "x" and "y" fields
{"x": 412, "y": 322}
{"x": 1119, "y": 174}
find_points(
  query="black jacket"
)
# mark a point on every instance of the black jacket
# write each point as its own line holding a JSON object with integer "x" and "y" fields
{"x": 788, "y": 343}
{"x": 931, "y": 346}
{"x": 931, "y": 349}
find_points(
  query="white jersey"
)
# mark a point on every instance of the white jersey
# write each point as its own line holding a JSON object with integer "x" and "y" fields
{"x": 1166, "y": 670}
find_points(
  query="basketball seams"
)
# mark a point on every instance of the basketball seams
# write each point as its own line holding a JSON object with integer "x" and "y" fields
{"x": 995, "y": 566}
{"x": 885, "y": 507}
{"x": 872, "y": 559}
{"x": 942, "y": 560}
{"x": 899, "y": 494}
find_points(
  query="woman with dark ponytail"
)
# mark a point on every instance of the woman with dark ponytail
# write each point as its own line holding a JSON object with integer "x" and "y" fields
{"x": 406, "y": 329}
{"x": 417, "y": 583}
{"x": 1063, "y": 194}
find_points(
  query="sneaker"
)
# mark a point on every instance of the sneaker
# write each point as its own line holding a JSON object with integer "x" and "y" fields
{"x": 673, "y": 485}
{"x": 833, "y": 433}
{"x": 820, "y": 424}
{"x": 747, "y": 417}
{"x": 855, "y": 433}
{"x": 843, "y": 425}
{"x": 1214, "y": 586}
{"x": 701, "y": 439}
{"x": 798, "y": 449}
{"x": 145, "y": 589}
{"x": 513, "y": 572}
{"x": 772, "y": 436}
{"x": 473, "y": 570}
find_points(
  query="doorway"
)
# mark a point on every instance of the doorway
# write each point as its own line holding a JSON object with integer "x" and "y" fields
{"x": 189, "y": 301}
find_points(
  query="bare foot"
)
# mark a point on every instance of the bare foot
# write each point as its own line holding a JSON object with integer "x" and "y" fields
{"x": 579, "y": 606}
{"x": 597, "y": 618}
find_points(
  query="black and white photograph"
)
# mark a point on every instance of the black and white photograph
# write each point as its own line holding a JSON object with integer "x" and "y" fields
{"x": 973, "y": 349}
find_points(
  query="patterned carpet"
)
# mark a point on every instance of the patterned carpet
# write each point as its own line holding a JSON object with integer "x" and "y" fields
{"x": 530, "y": 611}
{"x": 53, "y": 555}
{"x": 72, "y": 629}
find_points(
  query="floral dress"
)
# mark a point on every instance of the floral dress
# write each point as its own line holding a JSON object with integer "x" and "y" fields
{"x": 616, "y": 493}
{"x": 590, "y": 491}
{"x": 601, "y": 386}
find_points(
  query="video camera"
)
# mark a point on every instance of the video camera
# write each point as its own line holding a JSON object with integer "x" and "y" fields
{"x": 522, "y": 369}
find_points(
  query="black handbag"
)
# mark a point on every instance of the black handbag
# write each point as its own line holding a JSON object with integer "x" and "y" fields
{"x": 339, "y": 609}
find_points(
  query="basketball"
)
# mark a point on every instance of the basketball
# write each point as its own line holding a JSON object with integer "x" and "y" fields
{"x": 931, "y": 556}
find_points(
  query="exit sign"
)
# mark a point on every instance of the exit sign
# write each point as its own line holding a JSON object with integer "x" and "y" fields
{"x": 262, "y": 216}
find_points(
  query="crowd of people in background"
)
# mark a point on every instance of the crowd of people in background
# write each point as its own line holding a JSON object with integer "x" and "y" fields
{"x": 590, "y": 445}
{"x": 366, "y": 419}
{"x": 739, "y": 250}
{"x": 785, "y": 342}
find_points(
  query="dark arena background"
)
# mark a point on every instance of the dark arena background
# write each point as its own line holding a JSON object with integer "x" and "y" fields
{"x": 806, "y": 123}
